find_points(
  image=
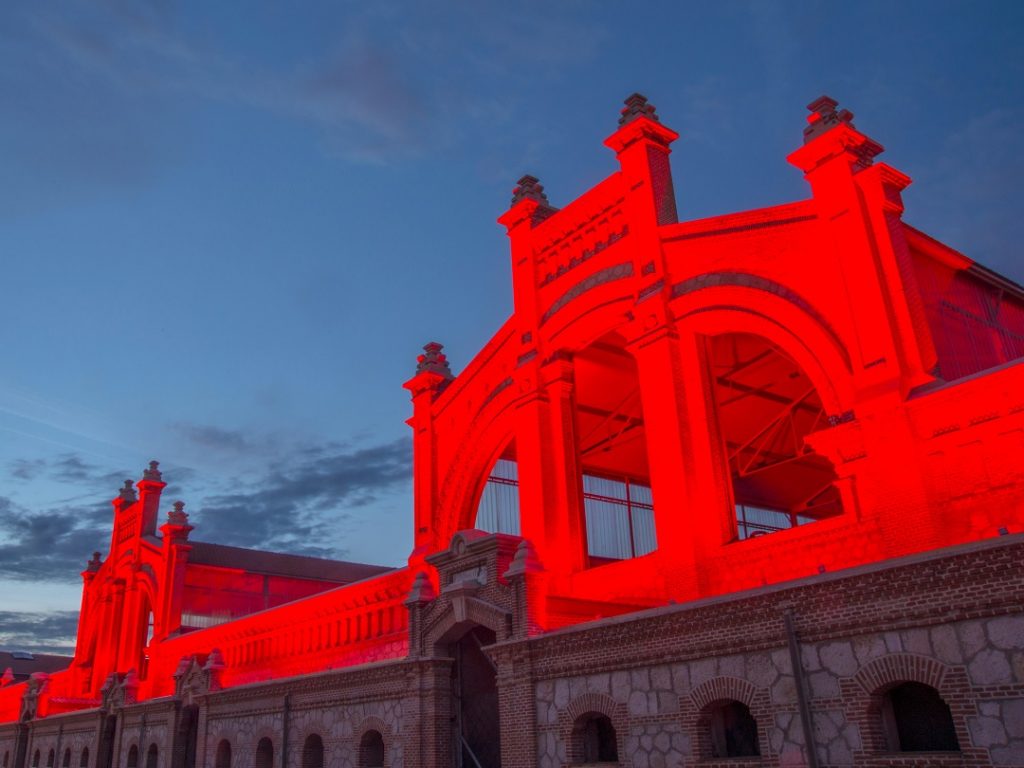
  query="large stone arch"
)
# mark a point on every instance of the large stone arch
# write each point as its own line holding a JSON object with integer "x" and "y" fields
{"x": 607, "y": 312}
{"x": 778, "y": 315}
{"x": 483, "y": 441}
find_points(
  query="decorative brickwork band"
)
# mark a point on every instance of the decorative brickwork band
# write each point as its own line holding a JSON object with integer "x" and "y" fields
{"x": 900, "y": 668}
{"x": 722, "y": 689}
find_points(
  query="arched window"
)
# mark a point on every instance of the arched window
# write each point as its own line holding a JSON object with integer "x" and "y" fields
{"x": 133, "y": 757}
{"x": 35, "y": 759}
{"x": 66, "y": 762}
{"x": 50, "y": 758}
{"x": 766, "y": 406}
{"x": 151, "y": 756}
{"x": 313, "y": 752}
{"x": 371, "y": 750}
{"x": 916, "y": 719}
{"x": 83, "y": 761}
{"x": 265, "y": 753}
{"x": 7, "y": 759}
{"x": 223, "y": 759}
{"x": 498, "y": 510}
{"x": 594, "y": 739}
{"x": 733, "y": 730}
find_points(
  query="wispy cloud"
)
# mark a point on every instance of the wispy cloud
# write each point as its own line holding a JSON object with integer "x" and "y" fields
{"x": 298, "y": 506}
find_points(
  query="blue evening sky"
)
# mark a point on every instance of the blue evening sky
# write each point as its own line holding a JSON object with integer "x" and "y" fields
{"x": 226, "y": 229}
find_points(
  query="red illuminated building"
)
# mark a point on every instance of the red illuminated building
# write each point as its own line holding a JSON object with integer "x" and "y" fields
{"x": 745, "y": 490}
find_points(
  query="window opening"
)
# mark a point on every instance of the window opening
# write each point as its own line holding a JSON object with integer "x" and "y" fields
{"x": 265, "y": 754}
{"x": 611, "y": 444}
{"x": 313, "y": 752}
{"x": 223, "y": 759}
{"x": 151, "y": 756}
{"x": 595, "y": 739}
{"x": 620, "y": 518}
{"x": 133, "y": 756}
{"x": 498, "y": 510}
{"x": 66, "y": 762}
{"x": 84, "y": 761}
{"x": 916, "y": 719}
{"x": 733, "y": 731}
{"x": 766, "y": 407}
{"x": 371, "y": 750}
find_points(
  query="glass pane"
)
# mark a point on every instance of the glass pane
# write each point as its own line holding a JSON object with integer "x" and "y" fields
{"x": 498, "y": 511}
{"x": 644, "y": 537}
{"x": 607, "y": 529}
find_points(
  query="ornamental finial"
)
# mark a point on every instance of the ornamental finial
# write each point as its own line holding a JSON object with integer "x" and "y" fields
{"x": 433, "y": 360}
{"x": 153, "y": 473}
{"x": 127, "y": 492}
{"x": 178, "y": 515}
{"x": 93, "y": 565}
{"x": 637, "y": 106}
{"x": 824, "y": 116}
{"x": 529, "y": 188}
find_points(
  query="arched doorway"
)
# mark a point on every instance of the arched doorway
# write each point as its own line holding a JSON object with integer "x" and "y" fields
{"x": 105, "y": 755}
{"x": 476, "y": 723}
{"x": 186, "y": 737}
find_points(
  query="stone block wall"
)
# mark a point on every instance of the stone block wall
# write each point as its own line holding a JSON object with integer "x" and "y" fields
{"x": 952, "y": 620}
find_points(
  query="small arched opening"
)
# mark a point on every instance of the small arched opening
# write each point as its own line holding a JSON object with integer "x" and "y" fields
{"x": 264, "y": 753}
{"x": 35, "y": 759}
{"x": 66, "y": 761}
{"x": 133, "y": 757}
{"x": 371, "y": 750}
{"x": 594, "y": 739}
{"x": 83, "y": 761}
{"x": 152, "y": 754}
{"x": 766, "y": 407}
{"x": 733, "y": 730}
{"x": 916, "y": 719}
{"x": 223, "y": 756}
{"x": 50, "y": 758}
{"x": 313, "y": 752}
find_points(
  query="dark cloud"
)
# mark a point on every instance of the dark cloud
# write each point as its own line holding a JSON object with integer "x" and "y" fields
{"x": 294, "y": 505}
{"x": 217, "y": 438}
{"x": 26, "y": 469}
{"x": 51, "y": 545}
{"x": 297, "y": 506}
{"x": 39, "y": 632}
{"x": 69, "y": 468}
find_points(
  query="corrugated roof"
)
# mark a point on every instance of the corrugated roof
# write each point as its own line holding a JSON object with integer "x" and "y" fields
{"x": 280, "y": 564}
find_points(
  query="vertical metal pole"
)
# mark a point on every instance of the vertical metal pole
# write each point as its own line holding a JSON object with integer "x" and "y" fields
{"x": 801, "y": 691}
{"x": 284, "y": 729}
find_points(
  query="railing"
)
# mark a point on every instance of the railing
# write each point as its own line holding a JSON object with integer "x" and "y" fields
{"x": 354, "y": 624}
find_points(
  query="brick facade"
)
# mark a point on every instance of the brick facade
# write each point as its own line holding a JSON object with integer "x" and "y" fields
{"x": 768, "y": 497}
